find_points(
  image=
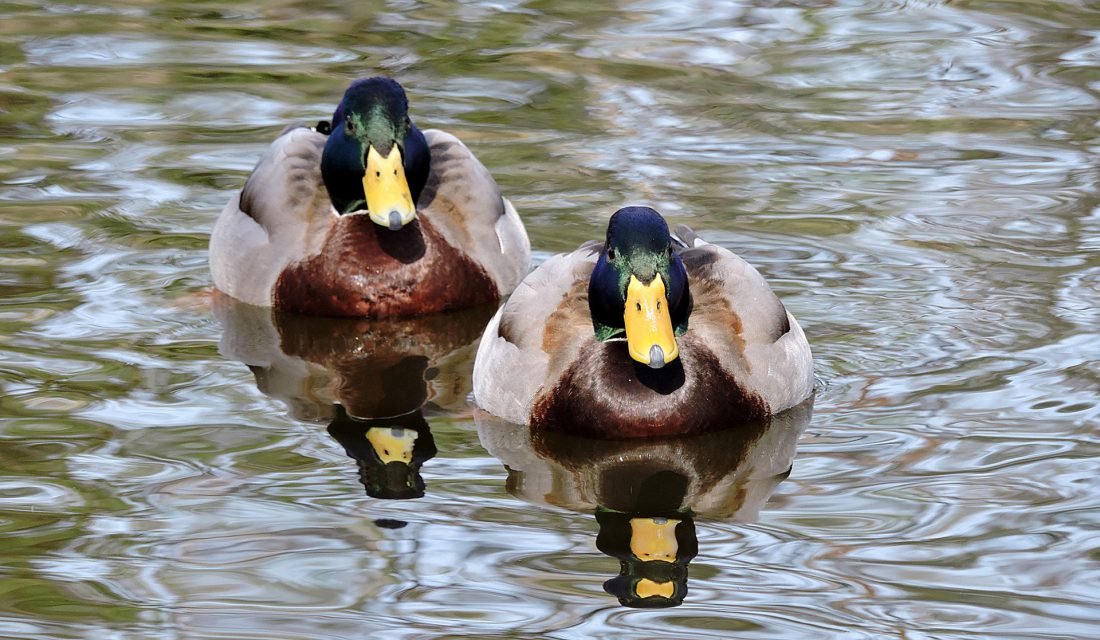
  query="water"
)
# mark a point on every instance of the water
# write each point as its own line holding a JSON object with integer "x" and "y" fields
{"x": 918, "y": 181}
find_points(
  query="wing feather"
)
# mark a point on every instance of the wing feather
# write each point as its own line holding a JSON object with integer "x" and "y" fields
{"x": 513, "y": 361}
{"x": 282, "y": 212}
{"x": 739, "y": 315}
{"x": 464, "y": 202}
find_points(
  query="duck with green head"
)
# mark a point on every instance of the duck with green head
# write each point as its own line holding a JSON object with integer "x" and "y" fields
{"x": 646, "y": 334}
{"x": 368, "y": 216}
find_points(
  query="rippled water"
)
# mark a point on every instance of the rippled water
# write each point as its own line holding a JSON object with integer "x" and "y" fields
{"x": 917, "y": 179}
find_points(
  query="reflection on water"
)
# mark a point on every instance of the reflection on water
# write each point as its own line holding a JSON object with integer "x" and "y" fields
{"x": 389, "y": 452}
{"x": 373, "y": 368}
{"x": 653, "y": 552}
{"x": 646, "y": 494}
{"x": 369, "y": 378}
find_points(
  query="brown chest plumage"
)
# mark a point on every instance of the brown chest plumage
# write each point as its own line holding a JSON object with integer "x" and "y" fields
{"x": 365, "y": 270}
{"x": 606, "y": 394}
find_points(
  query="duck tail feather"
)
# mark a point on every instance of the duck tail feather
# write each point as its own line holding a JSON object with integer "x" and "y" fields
{"x": 687, "y": 236}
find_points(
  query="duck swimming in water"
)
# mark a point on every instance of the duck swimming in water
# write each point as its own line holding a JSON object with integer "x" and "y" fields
{"x": 368, "y": 216}
{"x": 647, "y": 334}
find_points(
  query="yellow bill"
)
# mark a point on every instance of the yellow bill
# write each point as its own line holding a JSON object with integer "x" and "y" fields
{"x": 649, "y": 336}
{"x": 388, "y": 197}
{"x": 654, "y": 539}
{"x": 392, "y": 444}
{"x": 647, "y": 588}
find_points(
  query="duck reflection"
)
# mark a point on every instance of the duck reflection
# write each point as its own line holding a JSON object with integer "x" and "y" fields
{"x": 370, "y": 380}
{"x": 653, "y": 553}
{"x": 389, "y": 452}
{"x": 646, "y": 494}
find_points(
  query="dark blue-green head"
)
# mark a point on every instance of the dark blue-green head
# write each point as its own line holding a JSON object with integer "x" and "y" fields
{"x": 639, "y": 287}
{"x": 375, "y": 157}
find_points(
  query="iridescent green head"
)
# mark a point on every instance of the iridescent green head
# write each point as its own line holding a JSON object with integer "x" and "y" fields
{"x": 639, "y": 287}
{"x": 364, "y": 161}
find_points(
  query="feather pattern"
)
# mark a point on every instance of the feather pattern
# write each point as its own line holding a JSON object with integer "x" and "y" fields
{"x": 743, "y": 355}
{"x": 283, "y": 221}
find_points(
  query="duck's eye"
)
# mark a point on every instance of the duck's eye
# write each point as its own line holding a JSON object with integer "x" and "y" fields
{"x": 610, "y": 254}
{"x": 349, "y": 124}
{"x": 670, "y": 251}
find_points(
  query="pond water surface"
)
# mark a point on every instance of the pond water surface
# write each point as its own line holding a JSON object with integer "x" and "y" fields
{"x": 918, "y": 180}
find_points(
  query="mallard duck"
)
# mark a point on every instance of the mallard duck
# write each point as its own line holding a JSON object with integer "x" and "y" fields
{"x": 643, "y": 335}
{"x": 368, "y": 216}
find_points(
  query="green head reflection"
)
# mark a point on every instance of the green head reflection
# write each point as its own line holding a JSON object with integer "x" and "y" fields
{"x": 388, "y": 451}
{"x": 653, "y": 553}
{"x": 648, "y": 493}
